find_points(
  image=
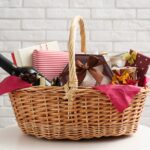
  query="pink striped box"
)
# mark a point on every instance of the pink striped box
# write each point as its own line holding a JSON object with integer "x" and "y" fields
{"x": 49, "y": 63}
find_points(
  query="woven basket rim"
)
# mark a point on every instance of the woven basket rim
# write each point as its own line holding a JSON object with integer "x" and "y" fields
{"x": 35, "y": 88}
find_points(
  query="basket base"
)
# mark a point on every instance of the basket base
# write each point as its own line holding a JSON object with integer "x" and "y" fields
{"x": 77, "y": 133}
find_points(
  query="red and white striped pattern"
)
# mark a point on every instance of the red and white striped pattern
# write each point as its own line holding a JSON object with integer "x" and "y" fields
{"x": 49, "y": 63}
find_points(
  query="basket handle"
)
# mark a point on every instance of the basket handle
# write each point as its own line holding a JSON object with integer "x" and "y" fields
{"x": 73, "y": 81}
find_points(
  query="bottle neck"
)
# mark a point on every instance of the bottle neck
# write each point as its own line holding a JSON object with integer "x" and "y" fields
{"x": 7, "y": 65}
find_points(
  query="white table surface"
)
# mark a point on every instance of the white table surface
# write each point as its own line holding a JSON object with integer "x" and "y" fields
{"x": 13, "y": 139}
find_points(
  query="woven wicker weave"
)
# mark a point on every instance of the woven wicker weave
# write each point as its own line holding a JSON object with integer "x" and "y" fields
{"x": 85, "y": 113}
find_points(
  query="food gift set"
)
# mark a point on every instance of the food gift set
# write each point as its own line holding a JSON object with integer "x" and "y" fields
{"x": 65, "y": 95}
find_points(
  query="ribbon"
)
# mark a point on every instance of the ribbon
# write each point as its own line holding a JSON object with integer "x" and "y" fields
{"x": 92, "y": 62}
{"x": 130, "y": 57}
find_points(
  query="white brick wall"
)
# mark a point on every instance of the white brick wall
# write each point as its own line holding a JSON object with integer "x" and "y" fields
{"x": 10, "y": 3}
{"x": 112, "y": 25}
{"x": 44, "y": 24}
{"x": 22, "y": 13}
{"x": 46, "y": 3}
{"x": 133, "y": 3}
{"x": 113, "y": 13}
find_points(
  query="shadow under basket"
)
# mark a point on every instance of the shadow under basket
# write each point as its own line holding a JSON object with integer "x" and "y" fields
{"x": 42, "y": 112}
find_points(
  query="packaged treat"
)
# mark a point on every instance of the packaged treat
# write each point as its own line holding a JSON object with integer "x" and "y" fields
{"x": 91, "y": 70}
{"x": 118, "y": 60}
{"x": 125, "y": 75}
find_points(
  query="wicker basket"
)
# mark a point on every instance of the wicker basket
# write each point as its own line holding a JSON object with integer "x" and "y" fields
{"x": 70, "y": 112}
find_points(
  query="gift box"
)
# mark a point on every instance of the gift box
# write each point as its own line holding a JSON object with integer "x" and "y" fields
{"x": 91, "y": 70}
{"x": 124, "y": 75}
{"x": 49, "y": 63}
{"x": 140, "y": 61}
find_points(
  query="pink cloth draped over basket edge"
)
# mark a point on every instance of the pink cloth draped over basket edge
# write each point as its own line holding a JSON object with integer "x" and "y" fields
{"x": 121, "y": 96}
{"x": 12, "y": 83}
{"x": 50, "y": 63}
{"x": 146, "y": 80}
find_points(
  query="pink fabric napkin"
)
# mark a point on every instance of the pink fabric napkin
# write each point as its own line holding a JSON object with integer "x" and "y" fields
{"x": 146, "y": 80}
{"x": 12, "y": 83}
{"x": 121, "y": 96}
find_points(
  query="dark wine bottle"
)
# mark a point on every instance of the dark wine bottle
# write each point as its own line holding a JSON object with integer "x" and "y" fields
{"x": 28, "y": 74}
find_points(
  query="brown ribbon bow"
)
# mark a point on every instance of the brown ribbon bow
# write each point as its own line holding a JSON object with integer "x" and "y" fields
{"x": 92, "y": 62}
